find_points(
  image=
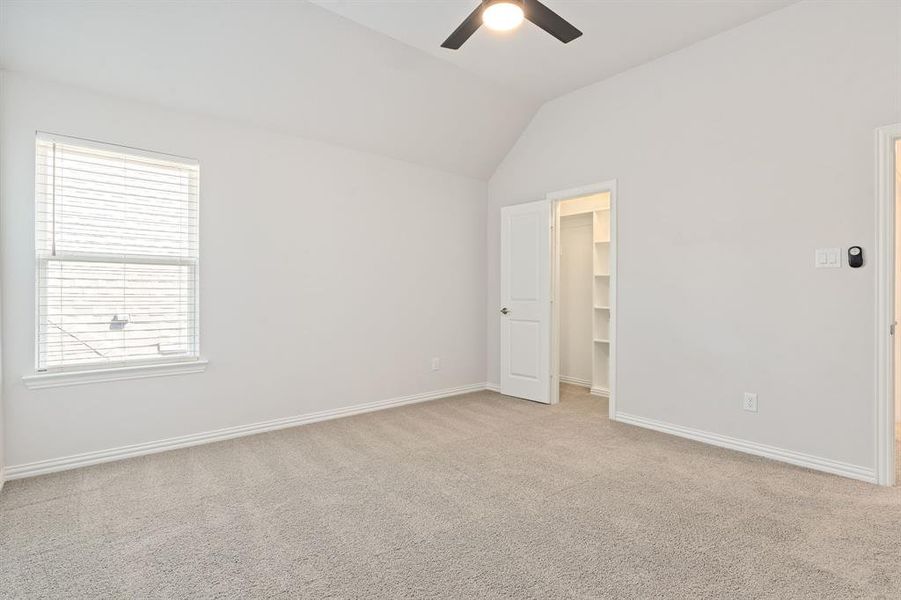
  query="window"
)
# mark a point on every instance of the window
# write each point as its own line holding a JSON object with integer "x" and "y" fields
{"x": 116, "y": 256}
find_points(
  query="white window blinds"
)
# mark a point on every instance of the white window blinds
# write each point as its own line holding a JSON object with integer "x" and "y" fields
{"x": 116, "y": 255}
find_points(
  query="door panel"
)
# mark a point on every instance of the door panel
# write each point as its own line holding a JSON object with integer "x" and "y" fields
{"x": 524, "y": 276}
{"x": 525, "y": 294}
{"x": 525, "y": 340}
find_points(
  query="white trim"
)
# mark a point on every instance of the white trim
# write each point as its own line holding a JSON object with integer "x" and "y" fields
{"x": 556, "y": 236}
{"x": 554, "y": 199}
{"x": 101, "y": 456}
{"x": 585, "y": 190}
{"x": 575, "y": 381}
{"x": 788, "y": 456}
{"x": 493, "y": 387}
{"x": 614, "y": 299}
{"x": 40, "y": 381}
{"x": 884, "y": 262}
{"x": 46, "y": 136}
{"x": 121, "y": 258}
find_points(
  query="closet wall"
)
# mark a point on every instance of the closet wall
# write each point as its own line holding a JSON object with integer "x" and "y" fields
{"x": 575, "y": 298}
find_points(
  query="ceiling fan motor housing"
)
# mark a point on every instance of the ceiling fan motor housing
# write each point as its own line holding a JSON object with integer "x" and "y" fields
{"x": 487, "y": 3}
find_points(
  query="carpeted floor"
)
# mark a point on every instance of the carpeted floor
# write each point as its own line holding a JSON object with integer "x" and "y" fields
{"x": 478, "y": 496}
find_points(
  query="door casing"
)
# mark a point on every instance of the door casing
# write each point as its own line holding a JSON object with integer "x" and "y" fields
{"x": 885, "y": 264}
{"x": 554, "y": 199}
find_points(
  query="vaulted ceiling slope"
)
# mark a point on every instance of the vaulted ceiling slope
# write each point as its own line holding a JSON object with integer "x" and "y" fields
{"x": 287, "y": 66}
{"x": 618, "y": 35}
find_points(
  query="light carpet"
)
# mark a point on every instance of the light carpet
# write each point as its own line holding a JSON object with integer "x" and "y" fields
{"x": 478, "y": 496}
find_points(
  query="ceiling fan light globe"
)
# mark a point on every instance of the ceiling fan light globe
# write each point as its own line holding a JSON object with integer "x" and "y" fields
{"x": 502, "y": 16}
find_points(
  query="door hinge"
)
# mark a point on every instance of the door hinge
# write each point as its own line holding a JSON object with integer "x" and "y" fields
{"x": 891, "y": 328}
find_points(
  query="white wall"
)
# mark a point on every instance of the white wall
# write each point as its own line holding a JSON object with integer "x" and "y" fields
{"x": 735, "y": 159}
{"x": 287, "y": 66}
{"x": 576, "y": 274}
{"x": 329, "y": 278}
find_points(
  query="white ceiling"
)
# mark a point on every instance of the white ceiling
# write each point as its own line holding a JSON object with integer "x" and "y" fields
{"x": 618, "y": 35}
{"x": 290, "y": 67}
{"x": 294, "y": 67}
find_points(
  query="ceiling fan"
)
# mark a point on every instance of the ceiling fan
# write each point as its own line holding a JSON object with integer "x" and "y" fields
{"x": 504, "y": 15}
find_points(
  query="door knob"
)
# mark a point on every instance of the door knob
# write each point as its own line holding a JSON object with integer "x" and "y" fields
{"x": 505, "y": 310}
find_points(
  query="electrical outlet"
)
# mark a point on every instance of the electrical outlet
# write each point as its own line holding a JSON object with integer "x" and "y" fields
{"x": 750, "y": 402}
{"x": 436, "y": 363}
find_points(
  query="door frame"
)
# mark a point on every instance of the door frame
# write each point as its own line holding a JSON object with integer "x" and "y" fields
{"x": 554, "y": 199}
{"x": 884, "y": 261}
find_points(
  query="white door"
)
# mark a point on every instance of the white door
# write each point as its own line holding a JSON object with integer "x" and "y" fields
{"x": 526, "y": 301}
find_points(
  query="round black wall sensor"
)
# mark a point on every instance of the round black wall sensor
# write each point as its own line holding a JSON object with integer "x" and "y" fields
{"x": 855, "y": 257}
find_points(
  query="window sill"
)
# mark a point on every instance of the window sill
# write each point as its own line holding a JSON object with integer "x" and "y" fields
{"x": 50, "y": 380}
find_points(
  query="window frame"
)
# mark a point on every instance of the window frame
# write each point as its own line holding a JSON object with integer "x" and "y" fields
{"x": 67, "y": 374}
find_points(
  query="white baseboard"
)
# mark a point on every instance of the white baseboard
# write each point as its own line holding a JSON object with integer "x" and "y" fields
{"x": 574, "y": 381}
{"x": 788, "y": 456}
{"x": 101, "y": 456}
{"x": 596, "y": 391}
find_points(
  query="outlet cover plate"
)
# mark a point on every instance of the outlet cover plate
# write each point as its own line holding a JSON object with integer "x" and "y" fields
{"x": 750, "y": 402}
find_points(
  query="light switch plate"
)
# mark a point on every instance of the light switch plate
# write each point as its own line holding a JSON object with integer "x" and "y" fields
{"x": 828, "y": 258}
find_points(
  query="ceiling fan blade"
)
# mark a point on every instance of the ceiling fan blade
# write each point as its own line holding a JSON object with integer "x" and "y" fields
{"x": 465, "y": 30}
{"x": 550, "y": 21}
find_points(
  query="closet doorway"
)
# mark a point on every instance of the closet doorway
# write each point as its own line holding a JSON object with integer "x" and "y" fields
{"x": 530, "y": 278}
{"x": 584, "y": 284}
